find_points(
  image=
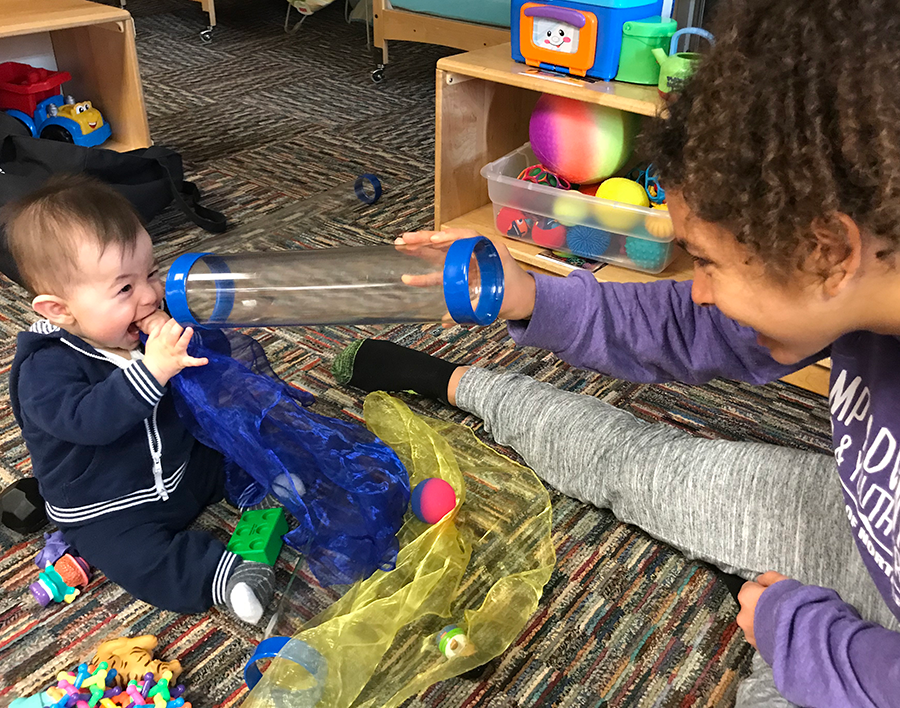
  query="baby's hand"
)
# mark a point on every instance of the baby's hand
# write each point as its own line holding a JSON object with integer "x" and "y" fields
{"x": 152, "y": 321}
{"x": 165, "y": 353}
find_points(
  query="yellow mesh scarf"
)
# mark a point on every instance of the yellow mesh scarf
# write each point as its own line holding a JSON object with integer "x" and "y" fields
{"x": 482, "y": 568}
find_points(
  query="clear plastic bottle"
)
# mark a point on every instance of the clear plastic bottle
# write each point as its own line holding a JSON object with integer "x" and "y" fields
{"x": 368, "y": 285}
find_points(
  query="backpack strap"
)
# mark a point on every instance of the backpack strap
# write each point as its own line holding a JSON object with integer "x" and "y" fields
{"x": 186, "y": 194}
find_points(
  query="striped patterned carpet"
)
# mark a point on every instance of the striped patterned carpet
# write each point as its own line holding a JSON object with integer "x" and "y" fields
{"x": 272, "y": 127}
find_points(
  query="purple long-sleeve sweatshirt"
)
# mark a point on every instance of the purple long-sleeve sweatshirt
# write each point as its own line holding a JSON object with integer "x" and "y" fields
{"x": 822, "y": 653}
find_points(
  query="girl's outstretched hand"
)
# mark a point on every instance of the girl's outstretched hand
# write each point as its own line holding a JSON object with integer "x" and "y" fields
{"x": 518, "y": 285}
{"x": 749, "y": 596}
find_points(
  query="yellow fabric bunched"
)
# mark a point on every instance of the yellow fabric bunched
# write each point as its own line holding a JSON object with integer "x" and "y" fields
{"x": 483, "y": 568}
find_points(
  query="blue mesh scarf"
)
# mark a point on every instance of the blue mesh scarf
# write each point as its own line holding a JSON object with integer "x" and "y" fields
{"x": 346, "y": 489}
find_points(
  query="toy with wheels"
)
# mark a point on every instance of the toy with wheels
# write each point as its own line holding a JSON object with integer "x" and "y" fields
{"x": 62, "y": 119}
{"x": 32, "y": 96}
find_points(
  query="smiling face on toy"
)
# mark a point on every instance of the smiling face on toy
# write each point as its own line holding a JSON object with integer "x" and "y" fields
{"x": 553, "y": 34}
{"x": 84, "y": 114}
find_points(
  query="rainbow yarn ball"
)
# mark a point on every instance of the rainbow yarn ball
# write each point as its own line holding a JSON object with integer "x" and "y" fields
{"x": 581, "y": 142}
{"x": 587, "y": 242}
{"x": 432, "y": 500}
{"x": 646, "y": 254}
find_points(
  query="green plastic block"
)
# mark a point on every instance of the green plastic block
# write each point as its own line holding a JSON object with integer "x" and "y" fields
{"x": 257, "y": 536}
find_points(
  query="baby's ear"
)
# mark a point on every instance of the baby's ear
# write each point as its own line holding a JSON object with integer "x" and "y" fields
{"x": 53, "y": 308}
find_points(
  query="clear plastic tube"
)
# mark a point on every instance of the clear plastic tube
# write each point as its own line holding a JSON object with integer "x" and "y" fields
{"x": 369, "y": 285}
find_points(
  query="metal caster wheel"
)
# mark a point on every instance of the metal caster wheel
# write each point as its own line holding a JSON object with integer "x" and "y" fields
{"x": 206, "y": 35}
{"x": 378, "y": 74}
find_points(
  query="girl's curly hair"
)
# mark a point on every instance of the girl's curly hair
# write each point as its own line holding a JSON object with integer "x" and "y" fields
{"x": 791, "y": 119}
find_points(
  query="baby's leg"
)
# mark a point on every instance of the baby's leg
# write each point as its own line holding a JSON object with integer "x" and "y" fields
{"x": 183, "y": 571}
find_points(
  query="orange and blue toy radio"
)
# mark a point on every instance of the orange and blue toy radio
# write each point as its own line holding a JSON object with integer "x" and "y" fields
{"x": 579, "y": 38}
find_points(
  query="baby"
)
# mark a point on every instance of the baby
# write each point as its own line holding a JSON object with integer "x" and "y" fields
{"x": 121, "y": 475}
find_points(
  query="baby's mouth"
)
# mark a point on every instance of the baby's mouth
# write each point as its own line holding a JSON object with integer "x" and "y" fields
{"x": 134, "y": 330}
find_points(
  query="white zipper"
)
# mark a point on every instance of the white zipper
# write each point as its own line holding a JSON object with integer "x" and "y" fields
{"x": 156, "y": 453}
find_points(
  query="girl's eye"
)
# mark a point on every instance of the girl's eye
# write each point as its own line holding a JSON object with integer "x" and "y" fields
{"x": 154, "y": 274}
{"x": 700, "y": 262}
{"x": 126, "y": 289}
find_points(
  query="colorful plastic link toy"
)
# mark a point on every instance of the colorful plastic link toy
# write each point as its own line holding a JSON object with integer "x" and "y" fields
{"x": 87, "y": 688}
{"x": 539, "y": 175}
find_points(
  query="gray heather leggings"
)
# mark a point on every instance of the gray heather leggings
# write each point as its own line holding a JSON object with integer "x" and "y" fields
{"x": 744, "y": 507}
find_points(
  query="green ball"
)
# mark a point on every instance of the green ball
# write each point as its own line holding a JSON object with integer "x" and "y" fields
{"x": 647, "y": 254}
{"x": 568, "y": 211}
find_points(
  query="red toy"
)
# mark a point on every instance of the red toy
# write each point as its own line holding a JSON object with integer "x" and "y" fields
{"x": 512, "y": 222}
{"x": 22, "y": 87}
{"x": 549, "y": 233}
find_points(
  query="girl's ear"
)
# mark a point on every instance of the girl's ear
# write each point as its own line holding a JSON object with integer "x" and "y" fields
{"x": 837, "y": 254}
{"x": 54, "y": 309}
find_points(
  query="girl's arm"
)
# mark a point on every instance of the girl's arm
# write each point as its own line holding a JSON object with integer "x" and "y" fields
{"x": 643, "y": 332}
{"x": 821, "y": 653}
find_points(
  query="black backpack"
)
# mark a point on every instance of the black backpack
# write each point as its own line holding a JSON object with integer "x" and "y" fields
{"x": 151, "y": 178}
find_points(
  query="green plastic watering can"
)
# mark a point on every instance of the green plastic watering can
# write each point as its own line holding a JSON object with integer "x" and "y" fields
{"x": 676, "y": 67}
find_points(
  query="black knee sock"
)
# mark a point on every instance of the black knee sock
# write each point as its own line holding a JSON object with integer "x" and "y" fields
{"x": 377, "y": 365}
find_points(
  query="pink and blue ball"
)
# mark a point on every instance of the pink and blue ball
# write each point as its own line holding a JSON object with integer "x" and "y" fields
{"x": 432, "y": 500}
{"x": 580, "y": 141}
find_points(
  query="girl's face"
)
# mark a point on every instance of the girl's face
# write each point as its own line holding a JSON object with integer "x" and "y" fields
{"x": 794, "y": 320}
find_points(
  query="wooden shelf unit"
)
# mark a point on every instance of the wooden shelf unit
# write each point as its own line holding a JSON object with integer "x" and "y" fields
{"x": 483, "y": 102}
{"x": 94, "y": 43}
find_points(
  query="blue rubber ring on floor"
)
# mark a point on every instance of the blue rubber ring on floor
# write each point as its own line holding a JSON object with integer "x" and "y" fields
{"x": 360, "y": 188}
{"x": 298, "y": 652}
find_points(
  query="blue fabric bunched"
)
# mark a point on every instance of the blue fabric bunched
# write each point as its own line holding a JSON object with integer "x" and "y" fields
{"x": 346, "y": 489}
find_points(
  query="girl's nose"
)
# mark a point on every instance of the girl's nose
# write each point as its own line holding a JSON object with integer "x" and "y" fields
{"x": 701, "y": 292}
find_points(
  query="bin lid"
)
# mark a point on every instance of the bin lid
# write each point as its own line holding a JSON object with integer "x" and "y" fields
{"x": 650, "y": 27}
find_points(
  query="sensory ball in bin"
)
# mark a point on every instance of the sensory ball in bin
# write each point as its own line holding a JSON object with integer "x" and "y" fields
{"x": 587, "y": 242}
{"x": 581, "y": 142}
{"x": 660, "y": 228}
{"x": 549, "y": 233}
{"x": 625, "y": 191}
{"x": 514, "y": 223}
{"x": 432, "y": 500}
{"x": 647, "y": 254}
{"x": 569, "y": 210}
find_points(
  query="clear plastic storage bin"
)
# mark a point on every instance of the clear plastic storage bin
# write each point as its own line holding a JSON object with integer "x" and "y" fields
{"x": 625, "y": 235}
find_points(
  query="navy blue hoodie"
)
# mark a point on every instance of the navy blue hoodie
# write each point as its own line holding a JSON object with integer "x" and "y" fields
{"x": 103, "y": 439}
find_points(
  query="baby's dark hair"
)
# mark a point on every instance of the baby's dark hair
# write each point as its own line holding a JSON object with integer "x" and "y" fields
{"x": 45, "y": 229}
{"x": 791, "y": 119}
